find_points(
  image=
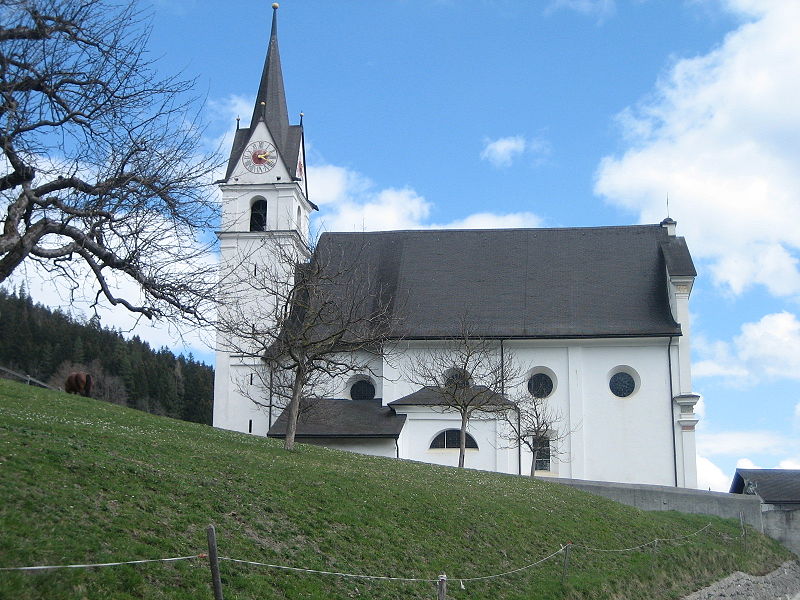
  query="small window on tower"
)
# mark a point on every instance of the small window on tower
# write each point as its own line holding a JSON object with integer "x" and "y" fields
{"x": 258, "y": 216}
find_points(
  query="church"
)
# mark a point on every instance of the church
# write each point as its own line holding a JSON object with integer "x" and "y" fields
{"x": 596, "y": 318}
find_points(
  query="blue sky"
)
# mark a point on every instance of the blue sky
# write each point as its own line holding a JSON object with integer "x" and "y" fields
{"x": 486, "y": 113}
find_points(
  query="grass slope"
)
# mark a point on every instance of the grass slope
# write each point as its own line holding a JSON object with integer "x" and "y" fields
{"x": 83, "y": 481}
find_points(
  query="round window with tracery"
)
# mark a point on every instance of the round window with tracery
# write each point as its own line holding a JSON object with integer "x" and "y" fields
{"x": 622, "y": 384}
{"x": 540, "y": 385}
{"x": 362, "y": 390}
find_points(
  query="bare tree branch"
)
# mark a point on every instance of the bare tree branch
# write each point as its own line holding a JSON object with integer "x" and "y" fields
{"x": 300, "y": 322}
{"x": 538, "y": 426}
{"x": 468, "y": 374}
{"x": 103, "y": 168}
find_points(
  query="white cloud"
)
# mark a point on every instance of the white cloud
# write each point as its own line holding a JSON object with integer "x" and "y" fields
{"x": 717, "y": 360}
{"x": 767, "y": 348}
{"x": 719, "y": 135}
{"x": 746, "y": 463}
{"x": 349, "y": 201}
{"x": 789, "y": 463}
{"x": 493, "y": 221}
{"x": 772, "y": 345}
{"x": 593, "y": 8}
{"x": 711, "y": 477}
{"x": 740, "y": 443}
{"x": 501, "y": 152}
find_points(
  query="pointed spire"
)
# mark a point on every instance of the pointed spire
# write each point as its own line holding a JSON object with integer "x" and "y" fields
{"x": 271, "y": 98}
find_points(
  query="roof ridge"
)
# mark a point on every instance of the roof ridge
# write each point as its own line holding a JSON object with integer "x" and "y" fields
{"x": 457, "y": 230}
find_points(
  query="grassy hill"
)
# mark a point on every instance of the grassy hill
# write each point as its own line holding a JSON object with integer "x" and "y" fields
{"x": 83, "y": 481}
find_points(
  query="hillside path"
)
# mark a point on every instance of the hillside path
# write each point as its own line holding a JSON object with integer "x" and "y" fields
{"x": 782, "y": 584}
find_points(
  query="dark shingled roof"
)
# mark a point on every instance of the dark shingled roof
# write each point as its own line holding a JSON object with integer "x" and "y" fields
{"x": 328, "y": 417}
{"x": 525, "y": 283}
{"x": 773, "y": 486}
{"x": 431, "y": 396}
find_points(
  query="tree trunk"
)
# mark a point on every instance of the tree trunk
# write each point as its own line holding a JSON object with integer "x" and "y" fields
{"x": 533, "y": 463}
{"x": 462, "y": 446}
{"x": 294, "y": 409}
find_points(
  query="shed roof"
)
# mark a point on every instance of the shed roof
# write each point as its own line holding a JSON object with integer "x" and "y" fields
{"x": 773, "y": 486}
{"x": 433, "y": 396}
{"x": 334, "y": 417}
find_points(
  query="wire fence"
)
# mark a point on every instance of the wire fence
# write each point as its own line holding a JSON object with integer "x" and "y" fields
{"x": 440, "y": 580}
{"x": 24, "y": 378}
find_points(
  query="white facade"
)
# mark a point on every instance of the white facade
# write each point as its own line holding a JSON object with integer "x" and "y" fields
{"x": 641, "y": 438}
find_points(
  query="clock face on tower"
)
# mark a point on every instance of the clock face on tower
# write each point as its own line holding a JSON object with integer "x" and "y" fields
{"x": 259, "y": 157}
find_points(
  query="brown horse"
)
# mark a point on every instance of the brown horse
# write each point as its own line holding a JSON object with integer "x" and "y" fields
{"x": 78, "y": 383}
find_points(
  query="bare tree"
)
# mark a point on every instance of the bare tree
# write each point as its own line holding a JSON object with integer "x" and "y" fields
{"x": 105, "y": 184}
{"x": 299, "y": 329}
{"x": 466, "y": 374}
{"x": 536, "y": 425}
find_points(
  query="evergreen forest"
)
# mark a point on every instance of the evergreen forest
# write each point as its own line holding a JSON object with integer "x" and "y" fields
{"x": 49, "y": 344}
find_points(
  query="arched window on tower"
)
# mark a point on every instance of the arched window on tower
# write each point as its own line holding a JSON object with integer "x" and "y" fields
{"x": 299, "y": 222}
{"x": 258, "y": 215}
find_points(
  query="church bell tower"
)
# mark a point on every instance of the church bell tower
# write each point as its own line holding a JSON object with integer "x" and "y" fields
{"x": 265, "y": 219}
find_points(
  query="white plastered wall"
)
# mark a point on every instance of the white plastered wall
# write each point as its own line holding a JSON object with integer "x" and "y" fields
{"x": 607, "y": 438}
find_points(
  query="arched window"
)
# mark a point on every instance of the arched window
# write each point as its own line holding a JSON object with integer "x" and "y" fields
{"x": 258, "y": 215}
{"x": 362, "y": 390}
{"x": 299, "y": 219}
{"x": 450, "y": 438}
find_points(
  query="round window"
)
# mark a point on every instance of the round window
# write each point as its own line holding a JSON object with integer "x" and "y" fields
{"x": 540, "y": 385}
{"x": 362, "y": 390}
{"x": 456, "y": 378}
{"x": 622, "y": 384}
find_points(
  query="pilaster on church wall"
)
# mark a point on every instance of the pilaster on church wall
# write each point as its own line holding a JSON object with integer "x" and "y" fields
{"x": 681, "y": 288}
{"x": 684, "y": 417}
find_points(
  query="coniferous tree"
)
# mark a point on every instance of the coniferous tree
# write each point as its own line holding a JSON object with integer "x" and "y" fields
{"x": 49, "y": 344}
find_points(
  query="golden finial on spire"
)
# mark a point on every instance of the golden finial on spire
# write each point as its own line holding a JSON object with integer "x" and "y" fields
{"x": 275, "y": 5}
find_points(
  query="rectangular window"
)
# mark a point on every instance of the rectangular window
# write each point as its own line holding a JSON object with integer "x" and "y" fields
{"x": 250, "y": 426}
{"x": 542, "y": 446}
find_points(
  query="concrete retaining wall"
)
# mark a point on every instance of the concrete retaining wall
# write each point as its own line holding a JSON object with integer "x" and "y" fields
{"x": 782, "y": 522}
{"x": 658, "y": 497}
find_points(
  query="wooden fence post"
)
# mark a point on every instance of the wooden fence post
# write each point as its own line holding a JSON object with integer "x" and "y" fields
{"x": 442, "y": 587}
{"x": 744, "y": 530}
{"x": 216, "y": 582}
